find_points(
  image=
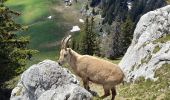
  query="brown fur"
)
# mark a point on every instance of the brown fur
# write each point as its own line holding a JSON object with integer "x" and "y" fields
{"x": 93, "y": 69}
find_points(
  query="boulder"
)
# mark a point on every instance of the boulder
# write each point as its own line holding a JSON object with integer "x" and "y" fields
{"x": 150, "y": 47}
{"x": 49, "y": 81}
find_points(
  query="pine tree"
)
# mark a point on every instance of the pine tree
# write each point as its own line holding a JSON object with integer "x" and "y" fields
{"x": 126, "y": 33}
{"x": 83, "y": 42}
{"x": 89, "y": 44}
{"x": 13, "y": 48}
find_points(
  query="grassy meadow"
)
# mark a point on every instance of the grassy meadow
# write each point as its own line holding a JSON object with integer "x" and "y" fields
{"x": 45, "y": 34}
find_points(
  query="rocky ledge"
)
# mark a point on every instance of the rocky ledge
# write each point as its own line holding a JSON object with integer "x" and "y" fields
{"x": 49, "y": 81}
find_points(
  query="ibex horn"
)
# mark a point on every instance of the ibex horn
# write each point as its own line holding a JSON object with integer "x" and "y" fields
{"x": 67, "y": 40}
{"x": 62, "y": 43}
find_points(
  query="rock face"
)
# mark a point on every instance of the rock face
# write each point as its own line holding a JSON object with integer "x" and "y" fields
{"x": 150, "y": 47}
{"x": 49, "y": 81}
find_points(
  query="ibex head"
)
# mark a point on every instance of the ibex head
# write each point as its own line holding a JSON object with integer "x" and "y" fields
{"x": 65, "y": 51}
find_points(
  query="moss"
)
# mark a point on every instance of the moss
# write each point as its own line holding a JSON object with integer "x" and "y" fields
{"x": 143, "y": 46}
{"x": 156, "y": 49}
{"x": 133, "y": 67}
{"x": 163, "y": 39}
{"x": 18, "y": 93}
{"x": 167, "y": 96}
{"x": 146, "y": 59}
{"x": 143, "y": 60}
{"x": 137, "y": 67}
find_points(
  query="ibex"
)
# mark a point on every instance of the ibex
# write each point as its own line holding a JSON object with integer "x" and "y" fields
{"x": 92, "y": 69}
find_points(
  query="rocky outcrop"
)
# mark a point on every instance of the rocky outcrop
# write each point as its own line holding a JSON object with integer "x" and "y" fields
{"x": 49, "y": 81}
{"x": 150, "y": 47}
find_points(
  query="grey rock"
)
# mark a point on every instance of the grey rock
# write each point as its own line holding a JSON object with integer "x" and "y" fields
{"x": 48, "y": 80}
{"x": 73, "y": 92}
{"x": 141, "y": 58}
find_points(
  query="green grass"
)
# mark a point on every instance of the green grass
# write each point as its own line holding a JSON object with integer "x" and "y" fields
{"x": 45, "y": 33}
{"x": 31, "y": 10}
{"x": 148, "y": 89}
{"x": 52, "y": 55}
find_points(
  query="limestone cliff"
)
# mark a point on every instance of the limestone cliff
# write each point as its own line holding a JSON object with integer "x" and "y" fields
{"x": 150, "y": 47}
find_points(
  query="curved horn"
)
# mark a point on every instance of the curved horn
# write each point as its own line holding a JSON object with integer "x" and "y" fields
{"x": 62, "y": 42}
{"x": 66, "y": 41}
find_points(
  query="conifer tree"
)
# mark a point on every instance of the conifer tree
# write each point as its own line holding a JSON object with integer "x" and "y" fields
{"x": 89, "y": 43}
{"x": 13, "y": 48}
{"x": 126, "y": 33}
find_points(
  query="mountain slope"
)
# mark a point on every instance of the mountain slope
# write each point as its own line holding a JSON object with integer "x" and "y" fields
{"x": 118, "y": 20}
{"x": 120, "y": 9}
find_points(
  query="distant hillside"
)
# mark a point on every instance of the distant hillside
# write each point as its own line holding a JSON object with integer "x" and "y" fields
{"x": 42, "y": 31}
{"x": 45, "y": 33}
